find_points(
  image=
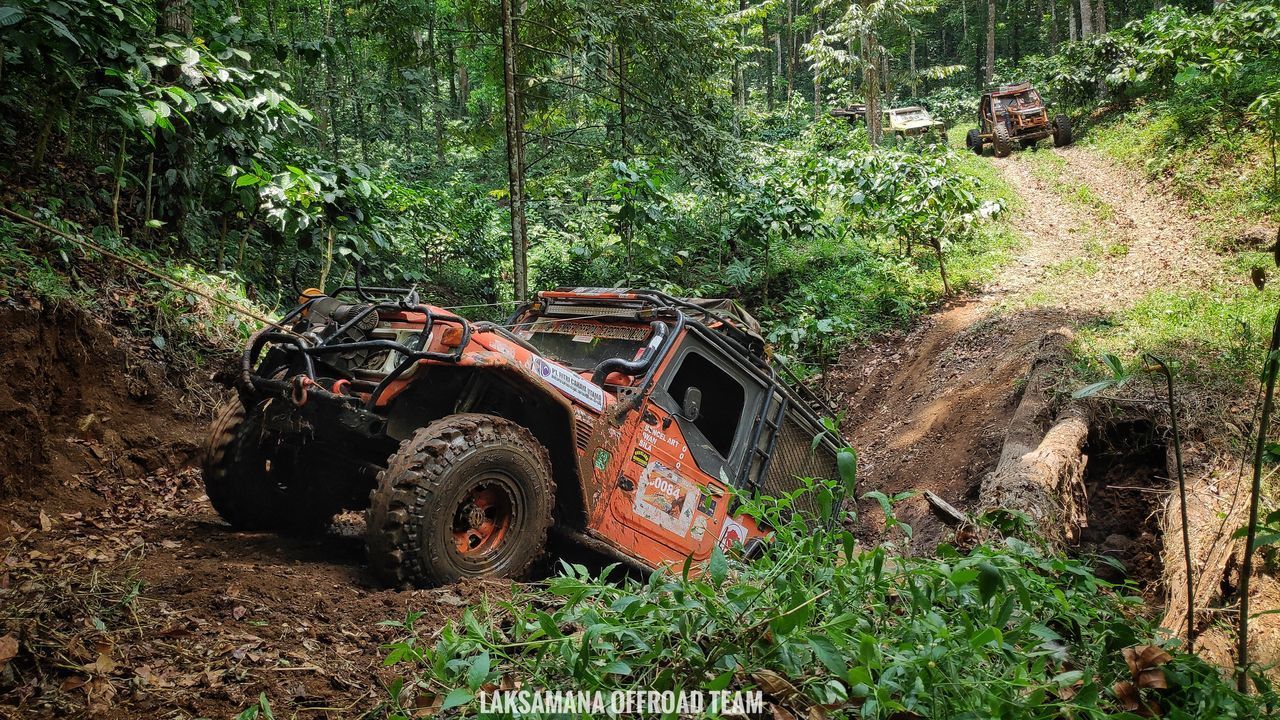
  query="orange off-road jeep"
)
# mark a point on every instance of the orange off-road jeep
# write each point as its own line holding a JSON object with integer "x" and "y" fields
{"x": 626, "y": 421}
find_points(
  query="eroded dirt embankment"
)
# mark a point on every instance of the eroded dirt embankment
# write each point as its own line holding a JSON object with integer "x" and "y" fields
{"x": 933, "y": 409}
{"x": 122, "y": 593}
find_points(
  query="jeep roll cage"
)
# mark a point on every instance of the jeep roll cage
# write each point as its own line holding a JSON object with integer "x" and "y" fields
{"x": 721, "y": 324}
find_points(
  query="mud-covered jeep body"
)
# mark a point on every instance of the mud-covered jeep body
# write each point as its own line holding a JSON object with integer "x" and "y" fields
{"x": 1015, "y": 114}
{"x": 625, "y": 420}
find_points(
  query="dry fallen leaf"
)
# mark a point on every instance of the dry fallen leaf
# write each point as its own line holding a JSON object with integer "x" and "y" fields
{"x": 102, "y": 666}
{"x": 780, "y": 713}
{"x": 1153, "y": 678}
{"x": 1127, "y": 694}
{"x": 1145, "y": 657}
{"x": 773, "y": 684}
{"x": 8, "y": 649}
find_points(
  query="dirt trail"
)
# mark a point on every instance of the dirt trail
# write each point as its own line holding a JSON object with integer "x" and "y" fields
{"x": 928, "y": 410}
{"x": 123, "y": 595}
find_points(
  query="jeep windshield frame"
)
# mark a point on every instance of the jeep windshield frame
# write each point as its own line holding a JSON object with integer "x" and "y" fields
{"x": 585, "y": 342}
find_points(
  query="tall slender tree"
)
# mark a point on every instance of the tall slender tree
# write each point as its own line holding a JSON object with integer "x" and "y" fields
{"x": 989, "y": 69}
{"x": 515, "y": 170}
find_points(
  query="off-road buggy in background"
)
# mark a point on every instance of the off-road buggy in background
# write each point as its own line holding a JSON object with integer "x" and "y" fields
{"x": 627, "y": 421}
{"x": 1015, "y": 114}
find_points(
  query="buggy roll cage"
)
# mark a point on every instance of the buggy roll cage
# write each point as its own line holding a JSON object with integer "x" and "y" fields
{"x": 310, "y": 347}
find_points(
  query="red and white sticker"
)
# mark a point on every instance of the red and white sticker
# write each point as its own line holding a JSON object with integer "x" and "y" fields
{"x": 734, "y": 533}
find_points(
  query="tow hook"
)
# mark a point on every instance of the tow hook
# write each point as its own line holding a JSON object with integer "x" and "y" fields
{"x": 299, "y": 392}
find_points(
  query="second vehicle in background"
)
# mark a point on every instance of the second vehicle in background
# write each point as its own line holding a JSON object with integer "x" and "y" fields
{"x": 1015, "y": 114}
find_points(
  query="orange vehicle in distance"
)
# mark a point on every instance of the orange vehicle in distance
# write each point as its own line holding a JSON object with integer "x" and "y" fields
{"x": 627, "y": 421}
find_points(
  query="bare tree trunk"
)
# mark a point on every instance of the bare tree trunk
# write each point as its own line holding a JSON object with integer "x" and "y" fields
{"x": 1071, "y": 22}
{"x": 1055, "y": 37}
{"x": 437, "y": 113}
{"x": 354, "y": 92}
{"x": 451, "y": 67}
{"x": 147, "y": 199}
{"x": 871, "y": 84}
{"x": 115, "y": 192}
{"x": 989, "y": 70}
{"x": 768, "y": 63}
{"x": 817, "y": 79}
{"x": 515, "y": 173}
{"x": 464, "y": 90}
{"x": 331, "y": 85}
{"x": 1086, "y": 19}
{"x": 1015, "y": 33}
{"x": 176, "y": 17}
{"x": 915, "y": 81}
{"x": 886, "y": 78}
{"x": 622, "y": 100}
{"x": 1100, "y": 16}
{"x": 791, "y": 49}
{"x": 739, "y": 80}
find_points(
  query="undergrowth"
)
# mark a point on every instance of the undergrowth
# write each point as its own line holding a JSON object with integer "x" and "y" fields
{"x": 39, "y": 269}
{"x": 828, "y": 628}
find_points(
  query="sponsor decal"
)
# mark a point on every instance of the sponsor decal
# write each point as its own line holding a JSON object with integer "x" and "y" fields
{"x": 666, "y": 499}
{"x": 699, "y": 528}
{"x": 734, "y": 533}
{"x": 602, "y": 459}
{"x": 708, "y": 504}
{"x": 640, "y": 457}
{"x": 569, "y": 383}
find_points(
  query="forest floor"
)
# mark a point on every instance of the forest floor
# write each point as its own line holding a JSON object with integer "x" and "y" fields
{"x": 123, "y": 594}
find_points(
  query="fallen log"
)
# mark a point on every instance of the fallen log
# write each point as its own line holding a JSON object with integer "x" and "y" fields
{"x": 1040, "y": 473}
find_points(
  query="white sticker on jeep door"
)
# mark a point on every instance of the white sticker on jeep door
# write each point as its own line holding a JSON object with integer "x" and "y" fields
{"x": 666, "y": 499}
{"x": 569, "y": 383}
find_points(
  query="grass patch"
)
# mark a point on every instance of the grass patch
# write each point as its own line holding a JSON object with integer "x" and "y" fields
{"x": 1223, "y": 175}
{"x": 1217, "y": 337}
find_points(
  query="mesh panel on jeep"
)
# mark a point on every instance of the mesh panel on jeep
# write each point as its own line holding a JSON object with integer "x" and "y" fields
{"x": 793, "y": 458}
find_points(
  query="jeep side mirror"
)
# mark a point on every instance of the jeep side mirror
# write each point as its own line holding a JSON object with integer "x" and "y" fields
{"x": 691, "y": 407}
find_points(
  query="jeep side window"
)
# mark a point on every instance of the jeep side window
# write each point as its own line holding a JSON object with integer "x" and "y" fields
{"x": 718, "y": 434}
{"x": 723, "y": 398}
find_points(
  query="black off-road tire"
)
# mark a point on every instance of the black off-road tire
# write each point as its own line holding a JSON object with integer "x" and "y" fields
{"x": 1001, "y": 143}
{"x": 973, "y": 141}
{"x": 427, "y": 501}
{"x": 248, "y": 485}
{"x": 1062, "y": 136}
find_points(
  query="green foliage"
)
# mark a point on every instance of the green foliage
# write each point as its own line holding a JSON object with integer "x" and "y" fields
{"x": 1002, "y": 631}
{"x": 949, "y": 104}
{"x": 261, "y": 710}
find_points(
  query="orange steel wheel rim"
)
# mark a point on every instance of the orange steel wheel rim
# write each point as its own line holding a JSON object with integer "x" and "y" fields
{"x": 481, "y": 520}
